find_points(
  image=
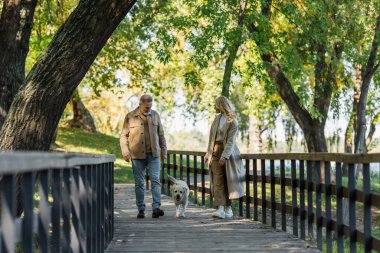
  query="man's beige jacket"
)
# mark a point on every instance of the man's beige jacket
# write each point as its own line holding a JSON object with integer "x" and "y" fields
{"x": 132, "y": 139}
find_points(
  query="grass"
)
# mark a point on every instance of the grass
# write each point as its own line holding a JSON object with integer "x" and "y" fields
{"x": 76, "y": 140}
{"x": 375, "y": 184}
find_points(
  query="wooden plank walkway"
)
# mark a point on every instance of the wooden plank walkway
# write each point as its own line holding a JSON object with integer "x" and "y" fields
{"x": 198, "y": 232}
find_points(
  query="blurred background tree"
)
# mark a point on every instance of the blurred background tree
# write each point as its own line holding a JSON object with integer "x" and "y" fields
{"x": 288, "y": 67}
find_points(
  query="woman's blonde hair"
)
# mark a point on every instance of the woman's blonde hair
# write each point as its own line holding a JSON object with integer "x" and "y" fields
{"x": 225, "y": 106}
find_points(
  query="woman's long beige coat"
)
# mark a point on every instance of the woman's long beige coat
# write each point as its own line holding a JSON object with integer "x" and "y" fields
{"x": 234, "y": 166}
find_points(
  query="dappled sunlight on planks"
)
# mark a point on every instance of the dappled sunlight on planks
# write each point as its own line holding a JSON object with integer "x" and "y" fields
{"x": 197, "y": 232}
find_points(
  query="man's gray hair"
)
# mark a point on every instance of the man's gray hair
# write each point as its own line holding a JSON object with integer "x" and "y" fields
{"x": 145, "y": 96}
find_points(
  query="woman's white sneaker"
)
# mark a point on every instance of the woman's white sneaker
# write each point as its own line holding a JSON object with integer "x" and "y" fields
{"x": 229, "y": 214}
{"x": 219, "y": 213}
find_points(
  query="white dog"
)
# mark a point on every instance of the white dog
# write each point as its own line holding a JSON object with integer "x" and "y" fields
{"x": 180, "y": 192}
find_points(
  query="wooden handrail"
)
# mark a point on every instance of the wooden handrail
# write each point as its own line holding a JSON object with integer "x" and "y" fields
{"x": 328, "y": 157}
{"x": 310, "y": 184}
{"x": 336, "y": 157}
{"x": 24, "y": 161}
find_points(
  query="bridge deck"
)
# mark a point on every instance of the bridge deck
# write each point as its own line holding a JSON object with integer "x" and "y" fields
{"x": 198, "y": 232}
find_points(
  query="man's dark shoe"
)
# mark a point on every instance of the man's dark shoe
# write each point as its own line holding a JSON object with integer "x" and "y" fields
{"x": 141, "y": 214}
{"x": 157, "y": 212}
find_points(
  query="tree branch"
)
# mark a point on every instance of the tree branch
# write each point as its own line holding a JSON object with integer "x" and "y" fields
{"x": 372, "y": 130}
{"x": 375, "y": 68}
{"x": 232, "y": 53}
{"x": 26, "y": 23}
{"x": 325, "y": 79}
{"x": 278, "y": 77}
{"x": 370, "y": 67}
{"x": 16, "y": 23}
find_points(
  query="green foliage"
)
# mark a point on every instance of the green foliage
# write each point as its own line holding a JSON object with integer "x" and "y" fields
{"x": 176, "y": 50}
{"x": 49, "y": 16}
{"x": 295, "y": 32}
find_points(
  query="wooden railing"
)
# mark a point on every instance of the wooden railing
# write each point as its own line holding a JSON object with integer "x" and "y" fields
{"x": 67, "y": 202}
{"x": 299, "y": 196}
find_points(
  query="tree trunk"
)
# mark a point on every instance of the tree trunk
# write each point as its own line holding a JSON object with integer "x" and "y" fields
{"x": 348, "y": 135}
{"x": 367, "y": 74}
{"x": 37, "y": 108}
{"x": 290, "y": 131}
{"x": 228, "y": 70}
{"x": 254, "y": 134}
{"x": 232, "y": 53}
{"x": 313, "y": 129}
{"x": 260, "y": 137}
{"x": 315, "y": 137}
{"x": 358, "y": 115}
{"x": 82, "y": 117}
{"x": 16, "y": 24}
{"x": 348, "y": 139}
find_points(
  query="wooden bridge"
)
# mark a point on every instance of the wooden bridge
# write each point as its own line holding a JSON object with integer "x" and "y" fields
{"x": 293, "y": 203}
{"x": 197, "y": 232}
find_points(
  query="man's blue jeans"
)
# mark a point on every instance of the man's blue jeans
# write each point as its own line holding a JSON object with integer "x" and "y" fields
{"x": 152, "y": 164}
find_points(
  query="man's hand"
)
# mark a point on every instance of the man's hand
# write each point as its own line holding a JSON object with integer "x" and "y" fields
{"x": 127, "y": 157}
{"x": 222, "y": 161}
{"x": 163, "y": 158}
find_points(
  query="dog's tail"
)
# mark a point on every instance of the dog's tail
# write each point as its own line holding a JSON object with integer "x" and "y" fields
{"x": 172, "y": 179}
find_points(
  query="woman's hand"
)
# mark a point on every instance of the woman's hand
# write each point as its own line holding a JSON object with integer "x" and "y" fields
{"x": 222, "y": 161}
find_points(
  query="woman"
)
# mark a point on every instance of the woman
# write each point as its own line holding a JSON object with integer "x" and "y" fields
{"x": 223, "y": 157}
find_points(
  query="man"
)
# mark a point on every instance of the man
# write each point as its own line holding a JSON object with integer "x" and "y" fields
{"x": 142, "y": 141}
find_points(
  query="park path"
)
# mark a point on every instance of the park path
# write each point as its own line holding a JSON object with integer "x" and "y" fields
{"x": 198, "y": 232}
